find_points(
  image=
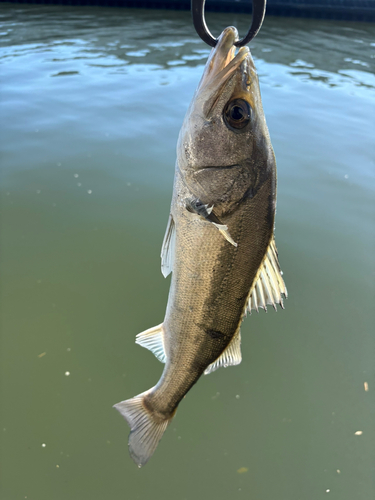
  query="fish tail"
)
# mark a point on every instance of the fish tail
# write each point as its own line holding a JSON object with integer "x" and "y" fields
{"x": 146, "y": 427}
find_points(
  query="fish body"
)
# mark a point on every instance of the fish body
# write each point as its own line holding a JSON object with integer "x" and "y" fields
{"x": 219, "y": 242}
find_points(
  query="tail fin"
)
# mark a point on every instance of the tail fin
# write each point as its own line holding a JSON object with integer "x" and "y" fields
{"x": 146, "y": 429}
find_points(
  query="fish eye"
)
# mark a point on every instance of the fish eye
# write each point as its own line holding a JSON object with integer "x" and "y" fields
{"x": 237, "y": 114}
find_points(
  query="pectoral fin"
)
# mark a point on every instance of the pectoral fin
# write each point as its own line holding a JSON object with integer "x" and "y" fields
{"x": 196, "y": 206}
{"x": 230, "y": 357}
{"x": 224, "y": 231}
{"x": 167, "y": 249}
{"x": 269, "y": 287}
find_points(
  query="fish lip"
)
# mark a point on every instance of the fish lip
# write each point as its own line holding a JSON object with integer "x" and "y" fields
{"x": 222, "y": 76}
{"x": 212, "y": 84}
{"x": 223, "y": 61}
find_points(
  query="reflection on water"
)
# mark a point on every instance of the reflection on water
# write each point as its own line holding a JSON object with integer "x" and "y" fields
{"x": 91, "y": 104}
{"x": 100, "y": 37}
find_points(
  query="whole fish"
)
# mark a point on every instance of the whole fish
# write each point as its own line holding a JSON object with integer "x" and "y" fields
{"x": 219, "y": 242}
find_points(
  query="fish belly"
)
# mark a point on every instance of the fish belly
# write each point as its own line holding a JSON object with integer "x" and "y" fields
{"x": 211, "y": 281}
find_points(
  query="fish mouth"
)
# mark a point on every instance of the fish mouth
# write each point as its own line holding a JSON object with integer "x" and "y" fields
{"x": 219, "y": 167}
{"x": 223, "y": 61}
{"x": 223, "y": 64}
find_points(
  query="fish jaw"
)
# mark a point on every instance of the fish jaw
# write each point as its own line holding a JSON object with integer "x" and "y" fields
{"x": 205, "y": 138}
{"x": 221, "y": 55}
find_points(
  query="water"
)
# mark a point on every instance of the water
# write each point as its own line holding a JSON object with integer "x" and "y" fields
{"x": 92, "y": 100}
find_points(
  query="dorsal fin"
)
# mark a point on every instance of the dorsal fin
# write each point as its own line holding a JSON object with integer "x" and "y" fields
{"x": 269, "y": 287}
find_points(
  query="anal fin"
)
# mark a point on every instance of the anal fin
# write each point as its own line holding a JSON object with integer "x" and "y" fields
{"x": 231, "y": 356}
{"x": 153, "y": 340}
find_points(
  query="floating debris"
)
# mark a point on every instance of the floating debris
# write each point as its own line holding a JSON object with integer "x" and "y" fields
{"x": 338, "y": 471}
{"x": 41, "y": 354}
{"x": 43, "y": 445}
{"x": 365, "y": 385}
{"x": 241, "y": 470}
{"x": 358, "y": 433}
{"x": 67, "y": 374}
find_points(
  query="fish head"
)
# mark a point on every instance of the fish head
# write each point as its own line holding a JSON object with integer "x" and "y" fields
{"x": 225, "y": 123}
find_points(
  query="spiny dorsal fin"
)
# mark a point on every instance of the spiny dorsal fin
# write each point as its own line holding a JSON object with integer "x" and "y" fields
{"x": 230, "y": 357}
{"x": 153, "y": 340}
{"x": 269, "y": 287}
{"x": 167, "y": 249}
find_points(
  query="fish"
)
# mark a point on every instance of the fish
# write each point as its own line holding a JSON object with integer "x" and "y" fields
{"x": 219, "y": 243}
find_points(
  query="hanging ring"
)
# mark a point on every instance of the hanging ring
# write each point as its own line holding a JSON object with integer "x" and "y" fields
{"x": 197, "y": 10}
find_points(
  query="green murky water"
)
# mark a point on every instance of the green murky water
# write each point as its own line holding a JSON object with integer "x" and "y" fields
{"x": 92, "y": 100}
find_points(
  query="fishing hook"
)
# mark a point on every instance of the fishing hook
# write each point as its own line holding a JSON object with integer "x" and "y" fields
{"x": 197, "y": 10}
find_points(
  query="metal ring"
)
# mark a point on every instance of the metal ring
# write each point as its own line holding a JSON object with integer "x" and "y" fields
{"x": 197, "y": 10}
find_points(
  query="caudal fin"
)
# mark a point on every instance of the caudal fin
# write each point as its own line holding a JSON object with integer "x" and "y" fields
{"x": 146, "y": 429}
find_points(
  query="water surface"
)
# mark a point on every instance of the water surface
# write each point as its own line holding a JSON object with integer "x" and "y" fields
{"x": 92, "y": 100}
